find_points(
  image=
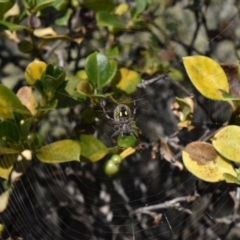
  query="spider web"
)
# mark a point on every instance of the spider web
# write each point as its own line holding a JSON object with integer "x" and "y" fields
{"x": 147, "y": 199}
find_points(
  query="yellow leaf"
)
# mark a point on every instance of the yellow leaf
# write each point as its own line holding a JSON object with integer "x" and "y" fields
{"x": 127, "y": 152}
{"x": 203, "y": 161}
{"x": 4, "y": 197}
{"x": 34, "y": 71}
{"x": 121, "y": 9}
{"x": 127, "y": 80}
{"x": 226, "y": 142}
{"x": 82, "y": 75}
{"x": 14, "y": 11}
{"x": 207, "y": 76}
{"x": 42, "y": 32}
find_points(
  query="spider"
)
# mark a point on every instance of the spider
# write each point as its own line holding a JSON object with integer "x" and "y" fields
{"x": 122, "y": 121}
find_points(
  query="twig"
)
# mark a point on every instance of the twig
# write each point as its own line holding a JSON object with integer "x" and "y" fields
{"x": 174, "y": 203}
{"x": 145, "y": 83}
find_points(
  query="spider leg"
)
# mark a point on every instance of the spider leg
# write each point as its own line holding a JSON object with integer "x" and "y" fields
{"x": 135, "y": 108}
{"x": 138, "y": 139}
{"x": 114, "y": 135}
{"x": 107, "y": 116}
{"x": 138, "y": 129}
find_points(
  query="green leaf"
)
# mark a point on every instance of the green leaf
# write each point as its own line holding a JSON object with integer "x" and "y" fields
{"x": 207, "y": 76}
{"x": 25, "y": 46}
{"x": 60, "y": 5}
{"x": 4, "y": 150}
{"x": 5, "y": 6}
{"x": 185, "y": 107}
{"x": 175, "y": 74}
{"x": 100, "y": 70}
{"x": 4, "y": 25}
{"x": 226, "y": 142}
{"x": 50, "y": 106}
{"x": 53, "y": 77}
{"x": 25, "y": 126}
{"x": 41, "y": 4}
{"x": 141, "y": 5}
{"x": 92, "y": 149}
{"x": 95, "y": 5}
{"x": 126, "y": 80}
{"x": 126, "y": 141}
{"x": 107, "y": 19}
{"x": 9, "y": 103}
{"x": 228, "y": 96}
{"x": 229, "y": 178}
{"x": 71, "y": 88}
{"x": 9, "y": 131}
{"x": 34, "y": 141}
{"x": 113, "y": 52}
{"x": 63, "y": 20}
{"x": 59, "y": 152}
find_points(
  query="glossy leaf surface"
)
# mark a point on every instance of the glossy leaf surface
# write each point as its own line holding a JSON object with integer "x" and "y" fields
{"x": 207, "y": 76}
{"x": 99, "y": 69}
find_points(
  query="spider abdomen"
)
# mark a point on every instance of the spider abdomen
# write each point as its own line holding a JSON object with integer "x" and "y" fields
{"x": 126, "y": 129}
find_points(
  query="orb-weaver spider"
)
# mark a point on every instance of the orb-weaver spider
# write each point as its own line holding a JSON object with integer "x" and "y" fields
{"x": 123, "y": 122}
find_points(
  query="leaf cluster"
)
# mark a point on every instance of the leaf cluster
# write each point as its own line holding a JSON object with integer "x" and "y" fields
{"x": 211, "y": 162}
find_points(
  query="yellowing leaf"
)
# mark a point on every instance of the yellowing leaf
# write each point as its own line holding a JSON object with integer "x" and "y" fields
{"x": 9, "y": 103}
{"x": 59, "y": 152}
{"x": 127, "y": 80}
{"x": 27, "y": 98}
{"x": 183, "y": 108}
{"x": 82, "y": 75}
{"x": 42, "y": 32}
{"x": 207, "y": 76}
{"x": 4, "y": 197}
{"x": 92, "y": 149}
{"x": 127, "y": 152}
{"x": 226, "y": 142}
{"x": 85, "y": 87}
{"x": 14, "y": 11}
{"x": 230, "y": 178}
{"x": 121, "y": 9}
{"x": 34, "y": 71}
{"x": 202, "y": 160}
